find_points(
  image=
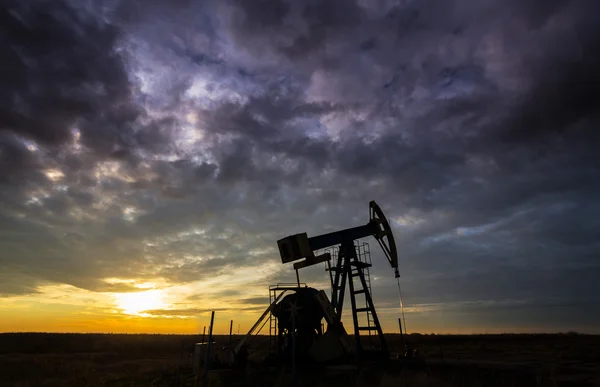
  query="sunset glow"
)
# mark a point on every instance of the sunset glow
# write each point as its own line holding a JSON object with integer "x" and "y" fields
{"x": 134, "y": 303}
{"x": 152, "y": 153}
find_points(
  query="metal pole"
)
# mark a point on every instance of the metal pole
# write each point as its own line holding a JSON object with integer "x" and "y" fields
{"x": 230, "y": 330}
{"x": 293, "y": 348}
{"x": 203, "y": 334}
{"x": 401, "y": 334}
{"x": 297, "y": 278}
{"x": 208, "y": 348}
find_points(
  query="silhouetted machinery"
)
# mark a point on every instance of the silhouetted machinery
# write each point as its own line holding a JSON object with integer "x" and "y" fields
{"x": 296, "y": 311}
{"x": 349, "y": 269}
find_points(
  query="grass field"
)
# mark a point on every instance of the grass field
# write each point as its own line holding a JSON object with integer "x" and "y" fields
{"x": 38, "y": 359}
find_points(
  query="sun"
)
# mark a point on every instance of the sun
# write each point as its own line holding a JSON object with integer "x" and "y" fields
{"x": 136, "y": 303}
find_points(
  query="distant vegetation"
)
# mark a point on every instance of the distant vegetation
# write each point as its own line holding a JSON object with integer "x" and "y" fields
{"x": 39, "y": 359}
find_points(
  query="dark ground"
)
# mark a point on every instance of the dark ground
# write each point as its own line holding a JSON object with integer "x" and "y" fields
{"x": 39, "y": 359}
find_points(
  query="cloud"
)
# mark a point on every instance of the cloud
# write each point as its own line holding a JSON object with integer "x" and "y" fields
{"x": 256, "y": 300}
{"x": 188, "y": 312}
{"x": 192, "y": 312}
{"x": 178, "y": 141}
{"x": 64, "y": 74}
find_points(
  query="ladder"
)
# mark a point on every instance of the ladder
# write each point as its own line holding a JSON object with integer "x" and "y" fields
{"x": 363, "y": 253}
{"x": 272, "y": 322}
{"x": 352, "y": 268}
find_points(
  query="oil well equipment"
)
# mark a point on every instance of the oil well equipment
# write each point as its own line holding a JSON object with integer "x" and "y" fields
{"x": 348, "y": 263}
{"x": 305, "y": 325}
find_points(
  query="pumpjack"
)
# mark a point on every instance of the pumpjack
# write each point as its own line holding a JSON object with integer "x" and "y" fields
{"x": 348, "y": 270}
{"x": 295, "y": 311}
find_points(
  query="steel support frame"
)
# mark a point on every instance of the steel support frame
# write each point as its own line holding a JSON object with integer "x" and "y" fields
{"x": 347, "y": 260}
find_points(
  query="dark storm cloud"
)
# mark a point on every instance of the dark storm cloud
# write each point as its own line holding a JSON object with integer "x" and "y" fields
{"x": 58, "y": 66}
{"x": 64, "y": 69}
{"x": 210, "y": 130}
{"x": 15, "y": 156}
{"x": 262, "y": 128}
{"x": 65, "y": 81}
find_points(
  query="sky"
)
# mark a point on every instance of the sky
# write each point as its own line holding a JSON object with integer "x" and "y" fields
{"x": 153, "y": 152}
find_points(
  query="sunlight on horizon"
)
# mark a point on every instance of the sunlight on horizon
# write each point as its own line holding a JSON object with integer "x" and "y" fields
{"x": 136, "y": 303}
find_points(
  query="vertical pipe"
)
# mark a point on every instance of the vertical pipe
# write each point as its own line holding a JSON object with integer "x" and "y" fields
{"x": 208, "y": 349}
{"x": 297, "y": 278}
{"x": 230, "y": 330}
{"x": 204, "y": 334}
{"x": 341, "y": 291}
{"x": 328, "y": 263}
{"x": 338, "y": 289}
